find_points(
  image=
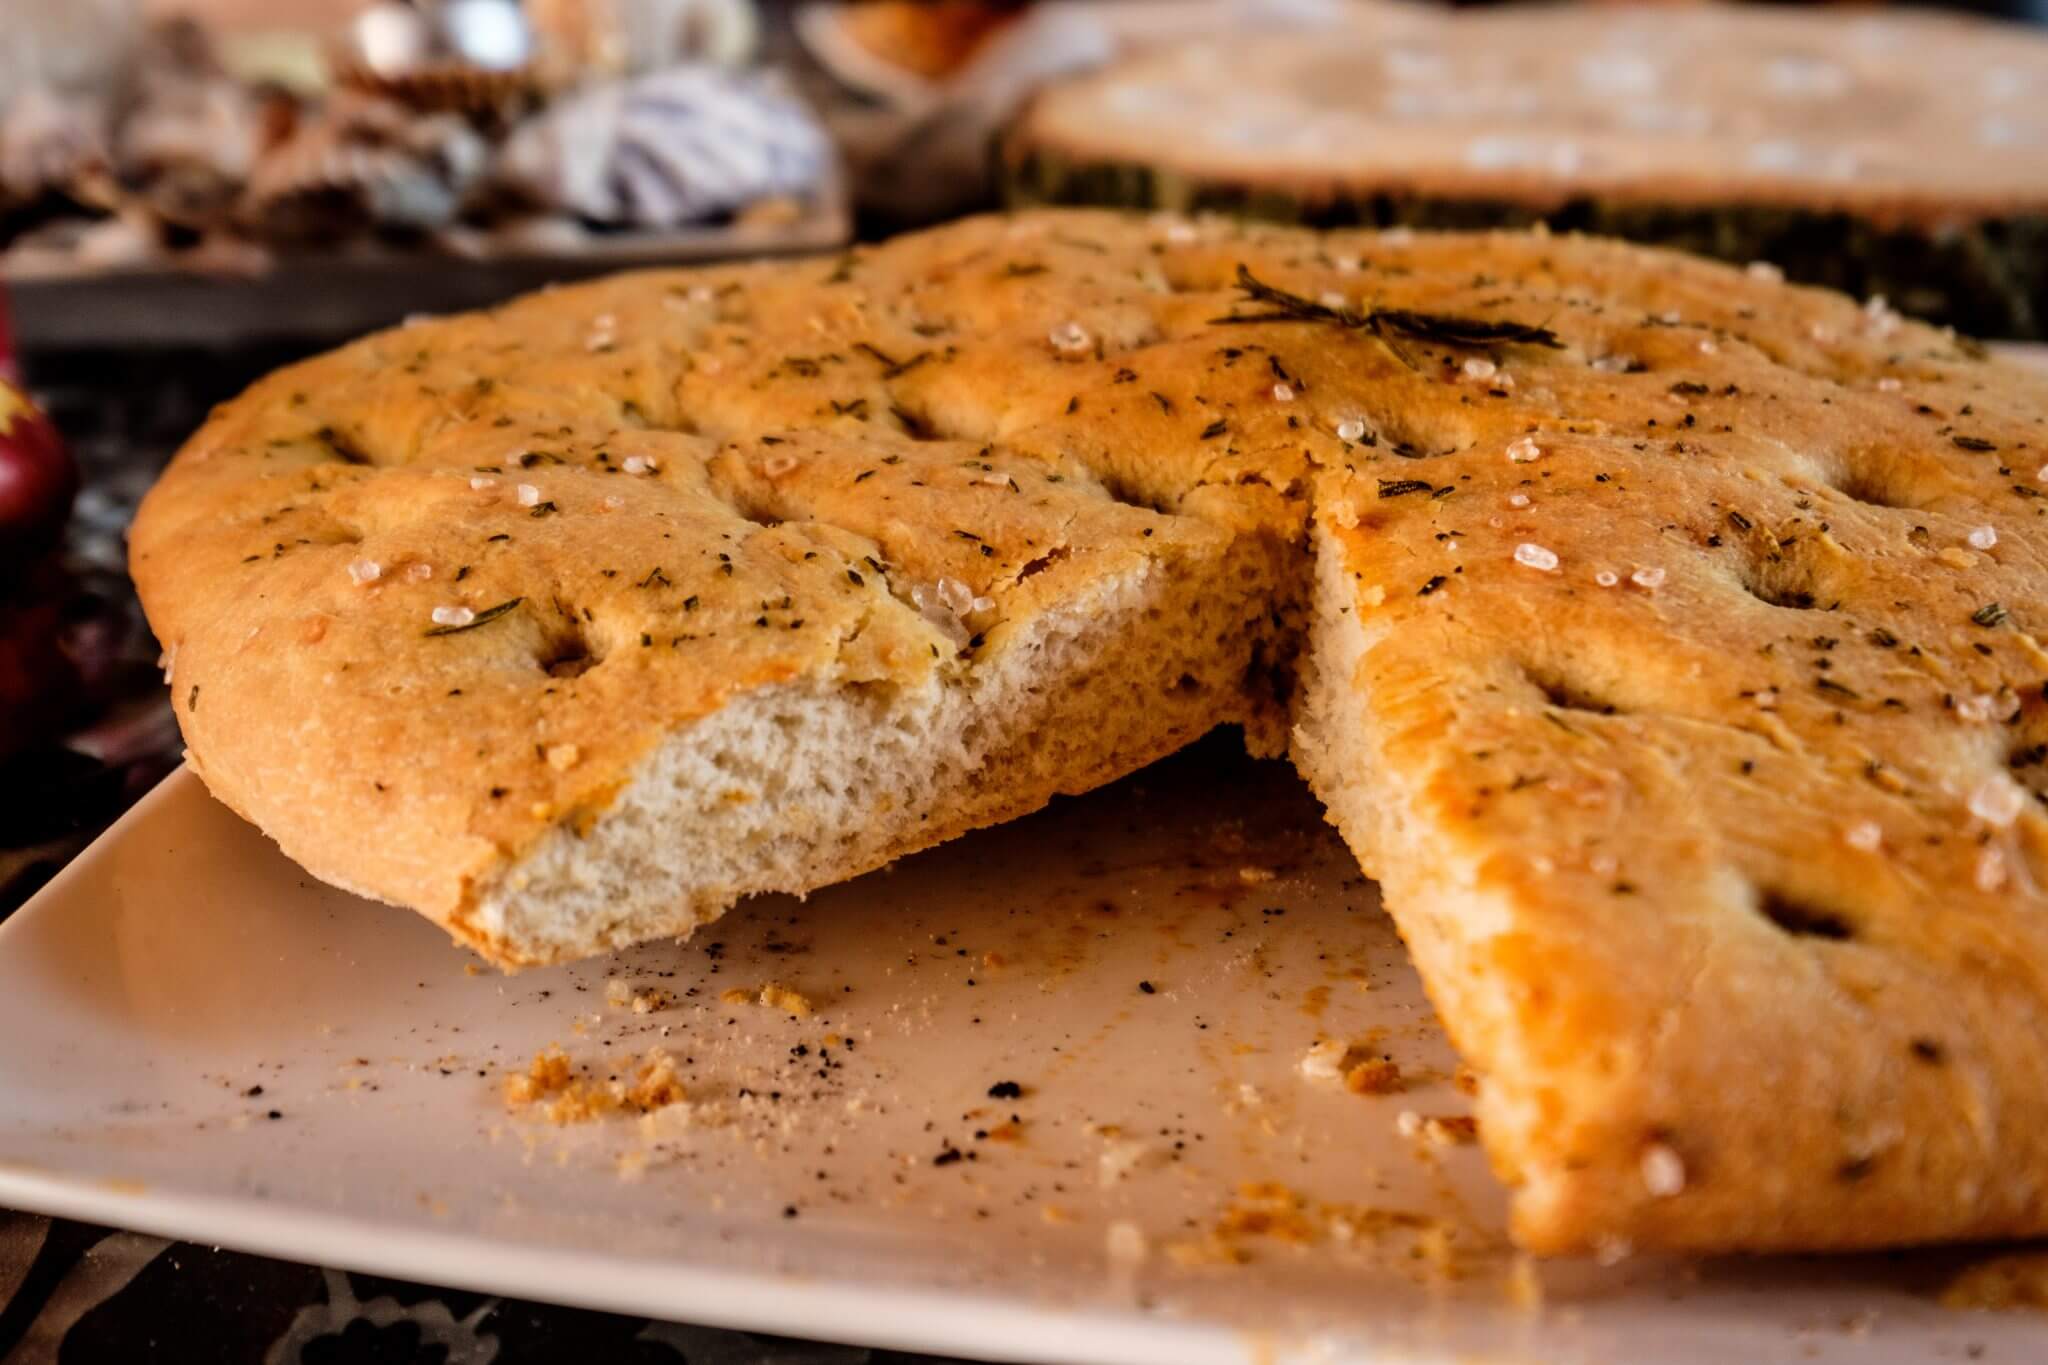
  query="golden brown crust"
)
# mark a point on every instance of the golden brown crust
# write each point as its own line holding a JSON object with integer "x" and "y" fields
{"x": 1752, "y": 959}
{"x": 1901, "y": 120}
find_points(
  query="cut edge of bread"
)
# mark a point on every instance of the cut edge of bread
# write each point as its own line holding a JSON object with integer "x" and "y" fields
{"x": 798, "y": 785}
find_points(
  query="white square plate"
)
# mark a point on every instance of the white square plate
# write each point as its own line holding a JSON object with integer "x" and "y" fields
{"x": 202, "y": 1042}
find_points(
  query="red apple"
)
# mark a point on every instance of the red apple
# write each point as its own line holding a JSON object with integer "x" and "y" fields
{"x": 37, "y": 480}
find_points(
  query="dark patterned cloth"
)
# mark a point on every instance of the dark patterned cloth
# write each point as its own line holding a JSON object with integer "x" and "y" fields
{"x": 72, "y": 1293}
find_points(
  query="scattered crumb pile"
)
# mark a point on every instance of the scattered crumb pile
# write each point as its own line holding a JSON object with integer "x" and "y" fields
{"x": 775, "y": 996}
{"x": 1362, "y": 1072}
{"x": 551, "y": 1083}
{"x": 1445, "y": 1130}
{"x": 1266, "y": 1211}
{"x": 621, "y": 996}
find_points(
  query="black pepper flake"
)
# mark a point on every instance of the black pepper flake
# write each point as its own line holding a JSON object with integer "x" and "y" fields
{"x": 1215, "y": 429}
{"x": 192, "y": 698}
{"x": 1006, "y": 1090}
{"x": 1976, "y": 443}
{"x": 1739, "y": 521}
{"x": 1435, "y": 581}
{"x": 541, "y": 509}
{"x": 855, "y": 579}
{"x": 864, "y": 475}
{"x": 947, "y": 1156}
{"x": 1148, "y": 988}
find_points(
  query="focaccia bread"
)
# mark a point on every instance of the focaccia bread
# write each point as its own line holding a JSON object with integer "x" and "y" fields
{"x": 1891, "y": 153}
{"x": 1658, "y": 634}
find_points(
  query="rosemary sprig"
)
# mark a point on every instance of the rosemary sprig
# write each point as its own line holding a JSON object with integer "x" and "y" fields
{"x": 482, "y": 618}
{"x": 1386, "y": 323}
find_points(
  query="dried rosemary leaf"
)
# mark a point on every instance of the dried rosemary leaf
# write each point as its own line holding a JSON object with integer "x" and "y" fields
{"x": 482, "y": 618}
{"x": 1438, "y": 328}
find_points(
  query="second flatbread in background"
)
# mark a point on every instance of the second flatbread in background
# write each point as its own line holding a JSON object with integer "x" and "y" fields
{"x": 1895, "y": 154}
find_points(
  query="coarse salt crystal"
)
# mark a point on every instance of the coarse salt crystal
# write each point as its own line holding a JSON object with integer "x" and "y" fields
{"x": 1323, "y": 1061}
{"x": 1888, "y": 384}
{"x": 562, "y": 757}
{"x": 1351, "y": 429}
{"x": 1670, "y": 317}
{"x": 1820, "y": 333}
{"x": 700, "y": 293}
{"x": 995, "y": 478}
{"x": 775, "y": 466}
{"x": 613, "y": 502}
{"x": 419, "y": 573}
{"x": 1613, "y": 364}
{"x": 1283, "y": 393}
{"x": 1408, "y": 1123}
{"x": 365, "y": 571}
{"x": 1330, "y": 298}
{"x": 1975, "y": 708}
{"x": 1708, "y": 346}
{"x": 1524, "y": 449}
{"x": 1648, "y": 579}
{"x": 1997, "y": 801}
{"x": 1663, "y": 1171}
{"x": 1764, "y": 270}
{"x": 637, "y": 464}
{"x": 1536, "y": 557}
{"x": 1180, "y": 232}
{"x": 529, "y": 496}
{"x": 1070, "y": 336}
{"x": 1766, "y": 697}
{"x": 1479, "y": 367}
{"x": 1990, "y": 870}
{"x": 1348, "y": 265}
{"x": 1518, "y": 499}
{"x": 1604, "y": 864}
{"x": 480, "y": 483}
{"x": 1607, "y": 578}
{"x": 1982, "y": 537}
{"x": 1398, "y": 236}
{"x": 453, "y": 616}
{"x": 1865, "y": 836}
